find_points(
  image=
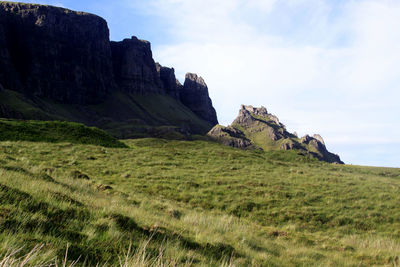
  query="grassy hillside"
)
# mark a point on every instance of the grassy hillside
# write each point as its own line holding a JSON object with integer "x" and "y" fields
{"x": 55, "y": 131}
{"x": 122, "y": 115}
{"x": 195, "y": 203}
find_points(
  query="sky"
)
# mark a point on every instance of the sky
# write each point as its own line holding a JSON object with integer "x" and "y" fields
{"x": 330, "y": 67}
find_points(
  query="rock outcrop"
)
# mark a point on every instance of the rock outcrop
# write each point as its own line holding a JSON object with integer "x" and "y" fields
{"x": 194, "y": 94}
{"x": 55, "y": 53}
{"x": 230, "y": 136}
{"x": 134, "y": 67}
{"x": 258, "y": 120}
{"x": 255, "y": 127}
{"x": 170, "y": 84}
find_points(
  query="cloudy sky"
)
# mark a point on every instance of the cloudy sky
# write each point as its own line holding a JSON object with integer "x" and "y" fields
{"x": 322, "y": 66}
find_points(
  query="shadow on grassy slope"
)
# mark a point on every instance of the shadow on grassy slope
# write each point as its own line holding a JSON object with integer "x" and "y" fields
{"x": 55, "y": 132}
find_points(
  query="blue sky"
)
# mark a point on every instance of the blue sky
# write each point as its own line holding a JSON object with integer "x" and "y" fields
{"x": 322, "y": 66}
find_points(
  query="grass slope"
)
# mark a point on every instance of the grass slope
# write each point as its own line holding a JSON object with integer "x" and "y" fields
{"x": 55, "y": 131}
{"x": 121, "y": 114}
{"x": 201, "y": 202}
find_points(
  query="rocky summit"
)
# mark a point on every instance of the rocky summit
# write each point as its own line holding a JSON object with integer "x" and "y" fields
{"x": 255, "y": 128}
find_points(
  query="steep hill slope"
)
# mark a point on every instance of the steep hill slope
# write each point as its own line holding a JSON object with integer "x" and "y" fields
{"x": 121, "y": 114}
{"x": 202, "y": 203}
{"x": 255, "y": 128}
{"x": 55, "y": 132}
{"x": 60, "y": 64}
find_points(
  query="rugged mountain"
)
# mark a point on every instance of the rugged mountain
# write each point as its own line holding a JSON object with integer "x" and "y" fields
{"x": 255, "y": 128}
{"x": 60, "y": 64}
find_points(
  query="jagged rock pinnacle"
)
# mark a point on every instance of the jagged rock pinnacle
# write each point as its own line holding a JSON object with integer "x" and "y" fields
{"x": 195, "y": 79}
{"x": 257, "y": 111}
{"x": 263, "y": 130}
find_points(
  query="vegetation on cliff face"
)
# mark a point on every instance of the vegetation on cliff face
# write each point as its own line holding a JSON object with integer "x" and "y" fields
{"x": 201, "y": 202}
{"x": 255, "y": 128}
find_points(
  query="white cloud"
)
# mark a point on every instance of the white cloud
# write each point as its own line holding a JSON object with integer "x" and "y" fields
{"x": 328, "y": 67}
{"x": 337, "y": 72}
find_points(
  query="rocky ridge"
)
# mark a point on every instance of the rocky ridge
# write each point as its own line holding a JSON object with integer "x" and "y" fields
{"x": 255, "y": 128}
{"x": 66, "y": 56}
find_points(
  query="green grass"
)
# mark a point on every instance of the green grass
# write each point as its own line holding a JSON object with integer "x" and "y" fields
{"x": 122, "y": 115}
{"x": 200, "y": 202}
{"x": 55, "y": 131}
{"x": 145, "y": 115}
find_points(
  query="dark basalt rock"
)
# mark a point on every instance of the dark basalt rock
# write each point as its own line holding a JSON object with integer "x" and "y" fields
{"x": 170, "y": 84}
{"x": 194, "y": 94}
{"x": 54, "y": 52}
{"x": 51, "y": 53}
{"x": 134, "y": 67}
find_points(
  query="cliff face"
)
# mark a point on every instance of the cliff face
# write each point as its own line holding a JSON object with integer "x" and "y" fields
{"x": 134, "y": 68}
{"x": 50, "y": 53}
{"x": 55, "y": 53}
{"x": 169, "y": 82}
{"x": 194, "y": 95}
{"x": 256, "y": 128}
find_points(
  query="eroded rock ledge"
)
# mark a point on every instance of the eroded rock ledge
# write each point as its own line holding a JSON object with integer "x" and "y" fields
{"x": 256, "y": 128}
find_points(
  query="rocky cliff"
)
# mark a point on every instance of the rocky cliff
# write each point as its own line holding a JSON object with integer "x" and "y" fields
{"x": 194, "y": 95}
{"x": 170, "y": 84}
{"x": 63, "y": 57}
{"x": 56, "y": 53}
{"x": 255, "y": 128}
{"x": 134, "y": 68}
